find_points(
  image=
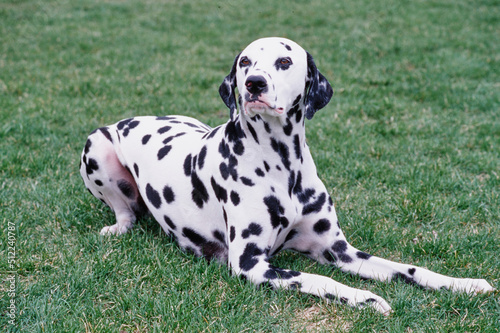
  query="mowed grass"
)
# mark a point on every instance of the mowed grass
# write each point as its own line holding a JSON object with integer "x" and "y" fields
{"x": 409, "y": 148}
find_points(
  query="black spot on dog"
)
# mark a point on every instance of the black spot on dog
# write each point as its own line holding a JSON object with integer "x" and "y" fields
{"x": 169, "y": 222}
{"x": 195, "y": 159}
{"x": 279, "y": 273}
{"x": 363, "y": 255}
{"x": 164, "y": 129}
{"x": 315, "y": 206}
{"x": 126, "y": 188}
{"x": 168, "y": 194}
{"x": 91, "y": 166}
{"x": 126, "y": 125}
{"x": 253, "y": 229}
{"x": 220, "y": 192}
{"x": 212, "y": 133}
{"x": 153, "y": 196}
{"x": 105, "y": 132}
{"x": 291, "y": 235}
{"x": 163, "y": 152}
{"x": 334, "y": 298}
{"x": 286, "y": 46}
{"x": 146, "y": 138}
{"x": 339, "y": 246}
{"x": 293, "y": 111}
{"x": 165, "y": 118}
{"x": 88, "y": 144}
{"x": 133, "y": 124}
{"x": 252, "y": 131}
{"x": 193, "y": 236}
{"x": 239, "y": 148}
{"x": 259, "y": 172}
{"x": 167, "y": 140}
{"x": 229, "y": 169}
{"x": 136, "y": 170}
{"x": 98, "y": 182}
{"x": 304, "y": 196}
{"x": 322, "y": 226}
{"x": 170, "y": 138}
{"x": 224, "y": 170}
{"x": 411, "y": 271}
{"x": 403, "y": 277}
{"x": 202, "y": 156}
{"x": 234, "y": 132}
{"x": 191, "y": 124}
{"x": 266, "y": 166}
{"x": 248, "y": 259}
{"x": 344, "y": 257}
{"x": 122, "y": 123}
{"x": 247, "y": 181}
{"x": 187, "y": 165}
{"x": 267, "y": 127}
{"x": 294, "y": 183}
{"x": 288, "y": 127}
{"x": 276, "y": 211}
{"x": 224, "y": 215}
{"x": 296, "y": 146}
{"x": 219, "y": 235}
{"x": 232, "y": 233}
{"x": 224, "y": 149}
{"x": 282, "y": 150}
{"x": 199, "y": 193}
{"x": 235, "y": 198}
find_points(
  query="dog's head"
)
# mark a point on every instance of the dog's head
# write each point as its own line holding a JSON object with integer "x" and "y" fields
{"x": 271, "y": 74}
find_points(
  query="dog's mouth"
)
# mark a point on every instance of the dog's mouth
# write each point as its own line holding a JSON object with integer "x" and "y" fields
{"x": 258, "y": 106}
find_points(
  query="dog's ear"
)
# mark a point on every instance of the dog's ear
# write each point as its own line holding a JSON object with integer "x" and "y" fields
{"x": 318, "y": 89}
{"x": 227, "y": 93}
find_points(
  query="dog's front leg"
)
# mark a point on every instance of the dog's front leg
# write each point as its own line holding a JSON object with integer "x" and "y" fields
{"x": 326, "y": 243}
{"x": 249, "y": 258}
{"x": 349, "y": 259}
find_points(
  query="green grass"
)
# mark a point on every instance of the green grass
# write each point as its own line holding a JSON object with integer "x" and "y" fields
{"x": 409, "y": 147}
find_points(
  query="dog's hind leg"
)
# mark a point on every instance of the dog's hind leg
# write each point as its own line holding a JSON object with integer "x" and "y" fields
{"x": 108, "y": 180}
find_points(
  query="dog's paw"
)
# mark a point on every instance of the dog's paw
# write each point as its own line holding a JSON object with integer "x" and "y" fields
{"x": 115, "y": 229}
{"x": 369, "y": 299}
{"x": 472, "y": 286}
{"x": 361, "y": 299}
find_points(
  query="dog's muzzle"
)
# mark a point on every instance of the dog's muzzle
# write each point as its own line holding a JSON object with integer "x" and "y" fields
{"x": 255, "y": 98}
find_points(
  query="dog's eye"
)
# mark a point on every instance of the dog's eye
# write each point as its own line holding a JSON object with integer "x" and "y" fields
{"x": 244, "y": 61}
{"x": 283, "y": 63}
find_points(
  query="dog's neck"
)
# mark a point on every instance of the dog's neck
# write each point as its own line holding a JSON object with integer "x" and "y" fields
{"x": 268, "y": 134}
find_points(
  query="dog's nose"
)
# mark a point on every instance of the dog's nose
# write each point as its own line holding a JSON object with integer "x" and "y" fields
{"x": 256, "y": 84}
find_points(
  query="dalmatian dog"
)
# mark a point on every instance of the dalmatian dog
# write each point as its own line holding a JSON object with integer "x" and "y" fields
{"x": 244, "y": 190}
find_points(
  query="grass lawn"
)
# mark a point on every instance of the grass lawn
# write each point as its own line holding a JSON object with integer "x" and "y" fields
{"x": 409, "y": 148}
